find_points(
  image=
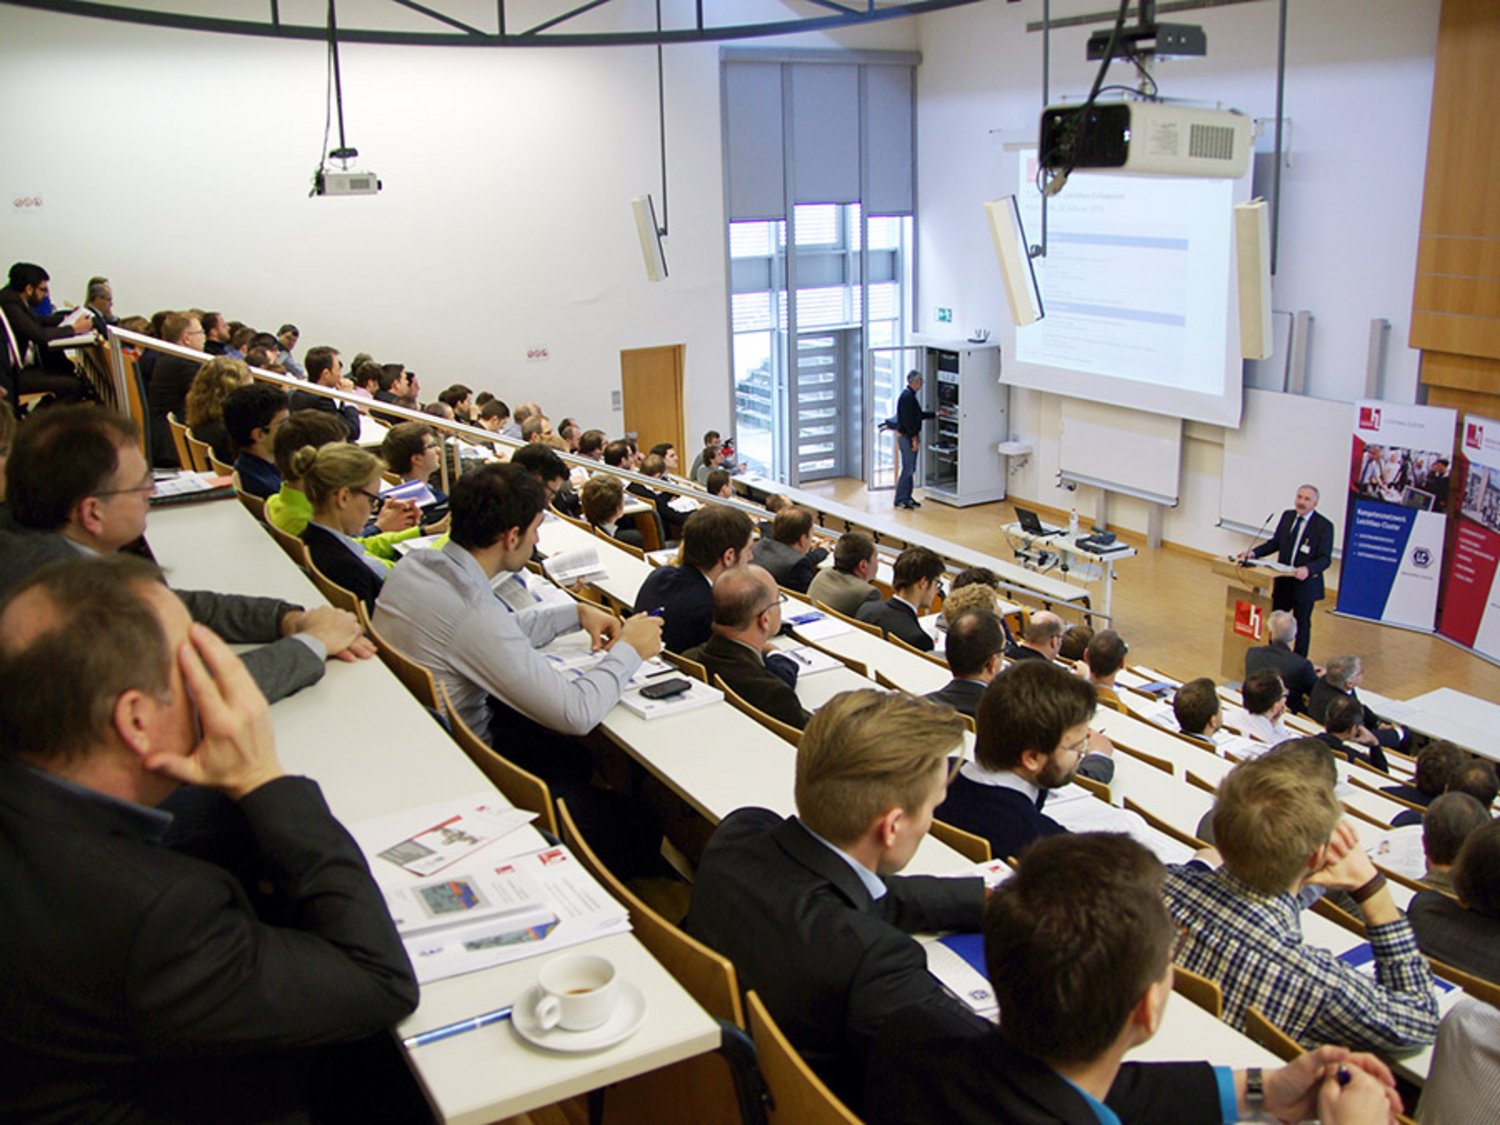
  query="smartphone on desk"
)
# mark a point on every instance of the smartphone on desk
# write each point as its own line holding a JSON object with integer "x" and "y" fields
{"x": 666, "y": 689}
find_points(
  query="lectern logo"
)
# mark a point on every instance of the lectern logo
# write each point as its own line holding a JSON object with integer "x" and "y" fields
{"x": 1369, "y": 417}
{"x": 1247, "y": 620}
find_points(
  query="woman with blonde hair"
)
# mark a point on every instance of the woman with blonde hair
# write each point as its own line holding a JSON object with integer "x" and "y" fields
{"x": 343, "y": 482}
{"x": 205, "y": 403}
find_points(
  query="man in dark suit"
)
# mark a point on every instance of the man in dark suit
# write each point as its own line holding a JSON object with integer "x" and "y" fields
{"x": 1303, "y": 540}
{"x": 1341, "y": 681}
{"x": 915, "y": 582}
{"x": 975, "y": 650}
{"x": 714, "y": 540}
{"x": 1041, "y": 638}
{"x": 79, "y": 487}
{"x": 1344, "y": 729}
{"x": 1198, "y": 711}
{"x": 747, "y": 614}
{"x": 1078, "y": 946}
{"x": 1031, "y": 737}
{"x": 175, "y": 1002}
{"x": 788, "y": 553}
{"x": 808, "y": 907}
{"x": 1296, "y": 671}
{"x": 909, "y": 419}
{"x": 171, "y": 378}
{"x": 1436, "y": 763}
{"x": 33, "y": 366}
{"x": 325, "y": 367}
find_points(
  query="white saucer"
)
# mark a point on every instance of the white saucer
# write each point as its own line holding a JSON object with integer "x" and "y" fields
{"x": 623, "y": 1022}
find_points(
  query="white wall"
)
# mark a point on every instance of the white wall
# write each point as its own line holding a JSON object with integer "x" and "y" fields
{"x": 177, "y": 163}
{"x": 1358, "y": 91}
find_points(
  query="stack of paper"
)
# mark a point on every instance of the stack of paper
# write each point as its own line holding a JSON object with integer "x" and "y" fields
{"x": 698, "y": 695}
{"x": 815, "y": 625}
{"x": 581, "y": 564}
{"x": 189, "y": 485}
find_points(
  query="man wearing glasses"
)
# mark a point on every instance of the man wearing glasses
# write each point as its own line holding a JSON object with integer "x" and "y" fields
{"x": 1032, "y": 734}
{"x": 79, "y": 486}
{"x": 170, "y": 379}
{"x": 747, "y": 614}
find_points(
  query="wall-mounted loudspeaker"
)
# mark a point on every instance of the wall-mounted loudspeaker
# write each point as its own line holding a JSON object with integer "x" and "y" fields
{"x": 1013, "y": 253}
{"x": 649, "y": 233}
{"x": 1252, "y": 249}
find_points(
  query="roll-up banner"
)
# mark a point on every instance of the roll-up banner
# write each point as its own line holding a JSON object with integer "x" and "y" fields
{"x": 1471, "y": 600}
{"x": 1397, "y": 513}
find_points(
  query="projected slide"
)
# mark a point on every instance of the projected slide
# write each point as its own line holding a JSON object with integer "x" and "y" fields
{"x": 1137, "y": 284}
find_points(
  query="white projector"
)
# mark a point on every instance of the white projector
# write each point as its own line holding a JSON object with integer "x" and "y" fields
{"x": 346, "y": 183}
{"x": 1149, "y": 138}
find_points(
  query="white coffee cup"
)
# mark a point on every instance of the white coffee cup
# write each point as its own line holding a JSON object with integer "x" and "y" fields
{"x": 577, "y": 992}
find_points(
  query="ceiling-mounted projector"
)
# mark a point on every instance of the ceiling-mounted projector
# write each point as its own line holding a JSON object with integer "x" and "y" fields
{"x": 1150, "y": 138}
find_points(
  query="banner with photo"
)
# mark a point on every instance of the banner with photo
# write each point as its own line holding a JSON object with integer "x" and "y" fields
{"x": 1398, "y": 503}
{"x": 1471, "y": 600}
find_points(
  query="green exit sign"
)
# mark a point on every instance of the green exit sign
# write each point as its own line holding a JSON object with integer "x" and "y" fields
{"x": 944, "y": 315}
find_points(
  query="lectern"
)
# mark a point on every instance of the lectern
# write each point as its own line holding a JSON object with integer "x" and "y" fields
{"x": 1247, "y": 605}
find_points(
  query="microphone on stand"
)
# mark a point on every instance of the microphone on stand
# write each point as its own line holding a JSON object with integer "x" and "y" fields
{"x": 1266, "y": 523}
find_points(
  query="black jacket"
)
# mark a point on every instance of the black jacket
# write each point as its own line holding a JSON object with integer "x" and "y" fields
{"x": 1296, "y": 671}
{"x": 910, "y": 415}
{"x": 341, "y": 566}
{"x": 749, "y": 678}
{"x": 896, "y": 618}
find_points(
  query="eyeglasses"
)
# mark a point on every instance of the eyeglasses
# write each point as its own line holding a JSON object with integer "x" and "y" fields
{"x": 1077, "y": 747}
{"x": 780, "y": 600}
{"x": 146, "y": 485}
{"x": 374, "y": 498}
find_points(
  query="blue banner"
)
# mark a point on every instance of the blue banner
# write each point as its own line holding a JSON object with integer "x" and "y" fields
{"x": 1373, "y": 549}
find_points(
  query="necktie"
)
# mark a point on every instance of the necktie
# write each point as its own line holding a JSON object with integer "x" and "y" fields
{"x": 1296, "y": 539}
{"x": 1041, "y": 799}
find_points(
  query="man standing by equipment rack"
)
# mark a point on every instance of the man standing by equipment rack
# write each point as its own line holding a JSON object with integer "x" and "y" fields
{"x": 909, "y": 419}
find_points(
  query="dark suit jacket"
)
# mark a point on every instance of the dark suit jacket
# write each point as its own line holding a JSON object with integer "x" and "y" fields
{"x": 167, "y": 394}
{"x": 896, "y": 619}
{"x": 961, "y": 695}
{"x": 1004, "y": 817}
{"x": 218, "y": 439}
{"x": 279, "y": 668}
{"x": 920, "y": 1076}
{"x": 1374, "y": 755}
{"x": 909, "y": 414}
{"x": 747, "y": 675}
{"x": 1316, "y": 552}
{"x": 787, "y": 565}
{"x": 258, "y": 476}
{"x": 306, "y": 400}
{"x": 1324, "y": 693}
{"x": 1296, "y": 671}
{"x": 687, "y": 599}
{"x": 140, "y": 985}
{"x": 1023, "y": 653}
{"x": 831, "y": 964}
{"x": 1454, "y": 935}
{"x": 341, "y": 565}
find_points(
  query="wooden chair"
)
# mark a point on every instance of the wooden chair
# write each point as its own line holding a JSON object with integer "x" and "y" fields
{"x": 1163, "y": 827}
{"x": 521, "y": 788}
{"x": 295, "y": 549}
{"x": 1206, "y": 786}
{"x": 253, "y": 504}
{"x": 391, "y": 478}
{"x": 711, "y": 1087}
{"x": 1200, "y": 990}
{"x": 1150, "y": 759}
{"x": 1408, "y": 882}
{"x": 1361, "y": 783}
{"x": 338, "y": 596}
{"x": 201, "y": 452}
{"x": 1097, "y": 788}
{"x": 647, "y": 523}
{"x": 179, "y": 440}
{"x": 415, "y": 678}
{"x": 1368, "y": 818}
{"x": 873, "y": 630}
{"x": 886, "y": 682}
{"x": 1271, "y": 1037}
{"x": 685, "y": 666}
{"x": 621, "y": 544}
{"x": 1477, "y": 987}
{"x": 973, "y": 848}
{"x": 774, "y": 725}
{"x": 1339, "y": 916}
{"x": 915, "y": 651}
{"x": 798, "y": 1096}
{"x": 217, "y": 467}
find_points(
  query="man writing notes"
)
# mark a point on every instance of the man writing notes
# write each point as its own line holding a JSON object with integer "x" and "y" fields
{"x": 1303, "y": 541}
{"x": 909, "y": 419}
{"x": 140, "y": 984}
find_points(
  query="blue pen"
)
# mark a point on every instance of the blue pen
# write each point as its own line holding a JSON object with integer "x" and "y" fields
{"x": 448, "y": 1031}
{"x": 657, "y": 612}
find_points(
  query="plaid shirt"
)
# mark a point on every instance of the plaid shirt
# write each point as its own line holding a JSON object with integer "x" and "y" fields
{"x": 1252, "y": 946}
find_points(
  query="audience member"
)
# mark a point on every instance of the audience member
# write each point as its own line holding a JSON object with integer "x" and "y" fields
{"x": 495, "y": 417}
{"x": 668, "y": 453}
{"x": 809, "y": 909}
{"x": 79, "y": 486}
{"x": 213, "y": 384}
{"x": 366, "y": 379}
{"x": 1198, "y": 710}
{"x": 287, "y": 336}
{"x": 1343, "y": 730}
{"x": 439, "y": 410}
{"x": 1041, "y": 639}
{"x": 439, "y": 609}
{"x": 569, "y": 431}
{"x": 99, "y": 300}
{"x": 215, "y": 333}
{"x": 412, "y": 451}
{"x": 1477, "y": 778}
{"x": 1075, "y": 642}
{"x": 1465, "y": 931}
{"x": 38, "y": 368}
{"x": 166, "y": 392}
{"x": 176, "y": 1001}
{"x": 343, "y": 483}
{"x": 591, "y": 445}
{"x": 976, "y": 652}
{"x": 1031, "y": 736}
{"x": 747, "y": 614}
{"x": 789, "y": 554}
{"x": 460, "y": 399}
{"x": 1435, "y": 765}
{"x": 706, "y": 463}
{"x": 252, "y": 415}
{"x": 603, "y": 499}
{"x": 710, "y": 441}
{"x": 1446, "y": 825}
{"x": 846, "y": 585}
{"x": 916, "y": 581}
{"x": 618, "y": 455}
{"x": 969, "y": 598}
{"x": 1079, "y": 950}
{"x": 1264, "y": 697}
{"x": 719, "y": 483}
{"x": 240, "y": 336}
{"x": 1465, "y": 1074}
{"x": 546, "y": 468}
{"x": 1279, "y": 655}
{"x": 1279, "y": 829}
{"x": 537, "y": 428}
{"x": 325, "y": 368}
{"x": 1344, "y": 675}
{"x": 1104, "y": 657}
{"x": 714, "y": 539}
{"x": 984, "y": 577}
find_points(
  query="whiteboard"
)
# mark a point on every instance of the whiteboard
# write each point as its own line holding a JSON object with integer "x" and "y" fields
{"x": 1121, "y": 450}
{"x": 1285, "y": 441}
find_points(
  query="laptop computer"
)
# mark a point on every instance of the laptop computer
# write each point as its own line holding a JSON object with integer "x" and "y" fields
{"x": 1032, "y": 524}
